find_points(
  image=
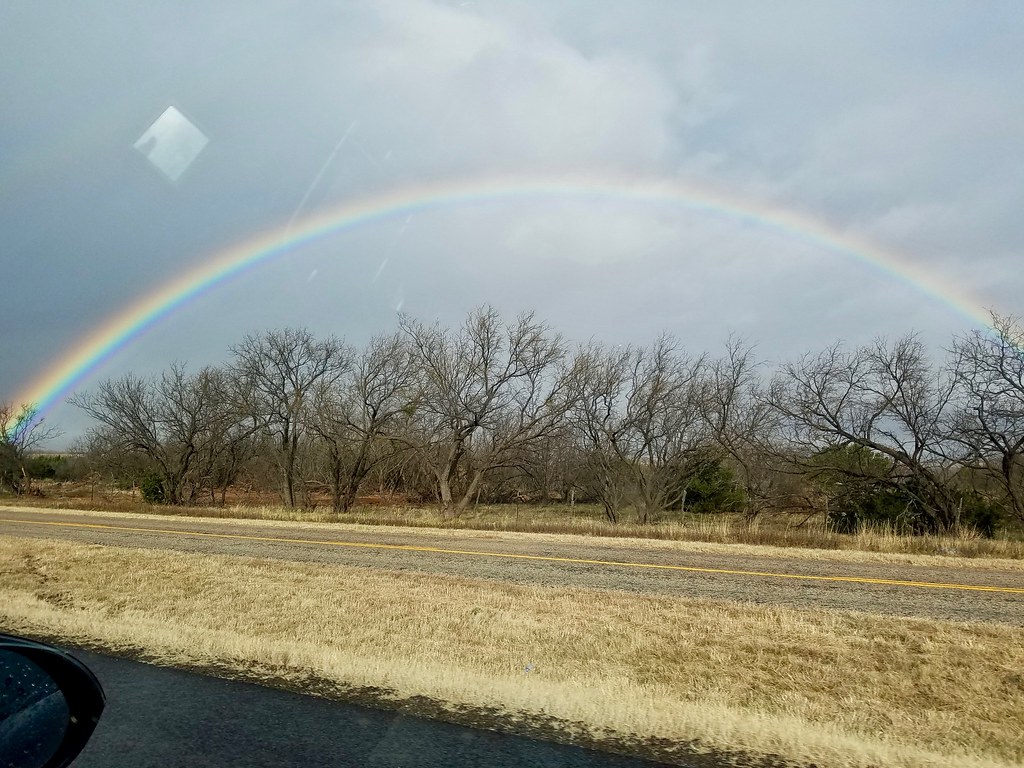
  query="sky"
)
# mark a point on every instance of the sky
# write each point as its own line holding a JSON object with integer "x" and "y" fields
{"x": 896, "y": 125}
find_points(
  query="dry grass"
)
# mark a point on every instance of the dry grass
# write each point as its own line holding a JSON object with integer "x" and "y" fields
{"x": 784, "y": 531}
{"x": 812, "y": 686}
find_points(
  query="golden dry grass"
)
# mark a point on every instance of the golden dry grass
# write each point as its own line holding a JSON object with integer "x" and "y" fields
{"x": 813, "y": 686}
{"x": 783, "y": 531}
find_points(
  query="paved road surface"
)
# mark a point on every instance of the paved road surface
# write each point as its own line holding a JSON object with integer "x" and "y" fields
{"x": 166, "y": 717}
{"x": 968, "y": 594}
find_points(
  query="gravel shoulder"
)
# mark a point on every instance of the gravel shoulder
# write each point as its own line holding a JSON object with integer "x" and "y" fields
{"x": 723, "y": 572}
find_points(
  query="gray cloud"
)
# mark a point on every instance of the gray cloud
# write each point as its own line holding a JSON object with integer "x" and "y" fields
{"x": 901, "y": 125}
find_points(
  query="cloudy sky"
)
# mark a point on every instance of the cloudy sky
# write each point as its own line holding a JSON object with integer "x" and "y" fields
{"x": 901, "y": 125}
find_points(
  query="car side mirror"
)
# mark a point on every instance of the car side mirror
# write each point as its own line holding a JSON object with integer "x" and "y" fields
{"x": 50, "y": 703}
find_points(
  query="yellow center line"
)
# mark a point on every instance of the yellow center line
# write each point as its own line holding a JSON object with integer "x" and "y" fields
{"x": 515, "y": 556}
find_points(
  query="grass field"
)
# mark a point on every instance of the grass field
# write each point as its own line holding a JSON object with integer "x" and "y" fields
{"x": 653, "y": 675}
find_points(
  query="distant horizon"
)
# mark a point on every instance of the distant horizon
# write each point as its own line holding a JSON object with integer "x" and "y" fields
{"x": 767, "y": 366}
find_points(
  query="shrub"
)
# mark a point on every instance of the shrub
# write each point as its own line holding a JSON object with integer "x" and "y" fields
{"x": 152, "y": 489}
{"x": 44, "y": 467}
{"x": 711, "y": 487}
{"x": 900, "y": 507}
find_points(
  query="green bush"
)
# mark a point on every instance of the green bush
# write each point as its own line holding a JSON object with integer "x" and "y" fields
{"x": 854, "y": 505}
{"x": 44, "y": 467}
{"x": 901, "y": 508}
{"x": 709, "y": 486}
{"x": 981, "y": 514}
{"x": 152, "y": 489}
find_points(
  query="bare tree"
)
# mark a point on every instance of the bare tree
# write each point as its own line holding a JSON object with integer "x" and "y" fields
{"x": 204, "y": 420}
{"x": 133, "y": 422}
{"x": 488, "y": 392}
{"x": 886, "y": 398}
{"x": 551, "y": 470}
{"x": 21, "y": 431}
{"x": 598, "y": 419}
{"x": 354, "y": 416}
{"x": 185, "y": 424}
{"x": 989, "y": 427}
{"x": 643, "y": 416}
{"x": 275, "y": 374}
{"x": 745, "y": 425}
{"x": 231, "y": 439}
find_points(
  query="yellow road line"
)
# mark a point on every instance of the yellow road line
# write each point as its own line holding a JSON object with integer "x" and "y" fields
{"x": 545, "y": 558}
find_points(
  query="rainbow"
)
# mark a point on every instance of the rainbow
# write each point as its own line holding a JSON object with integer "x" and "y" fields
{"x": 69, "y": 370}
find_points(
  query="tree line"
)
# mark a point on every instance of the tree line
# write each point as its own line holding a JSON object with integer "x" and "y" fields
{"x": 499, "y": 410}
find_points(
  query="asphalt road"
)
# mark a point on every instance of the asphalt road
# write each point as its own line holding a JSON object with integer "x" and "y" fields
{"x": 957, "y": 593}
{"x": 163, "y": 718}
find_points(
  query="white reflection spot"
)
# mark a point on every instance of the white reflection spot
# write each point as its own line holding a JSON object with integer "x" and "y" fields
{"x": 380, "y": 269}
{"x": 171, "y": 143}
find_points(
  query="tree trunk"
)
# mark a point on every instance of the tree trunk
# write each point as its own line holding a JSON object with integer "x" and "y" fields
{"x": 289, "y": 490}
{"x": 473, "y": 485}
{"x": 348, "y": 494}
{"x": 355, "y": 477}
{"x": 290, "y": 446}
{"x": 337, "y": 497}
{"x": 445, "y": 489}
{"x": 609, "y": 510}
{"x": 444, "y": 477}
{"x": 1008, "y": 464}
{"x": 649, "y": 507}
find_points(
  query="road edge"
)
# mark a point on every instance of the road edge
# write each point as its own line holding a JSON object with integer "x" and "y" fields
{"x": 525, "y": 724}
